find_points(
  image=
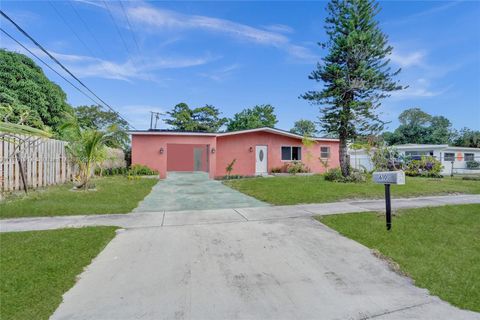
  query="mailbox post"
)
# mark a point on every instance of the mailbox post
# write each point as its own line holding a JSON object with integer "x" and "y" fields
{"x": 387, "y": 178}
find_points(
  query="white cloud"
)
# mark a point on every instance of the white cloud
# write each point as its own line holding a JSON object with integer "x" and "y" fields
{"x": 161, "y": 18}
{"x": 86, "y": 66}
{"x": 222, "y": 73}
{"x": 158, "y": 18}
{"x": 420, "y": 88}
{"x": 422, "y": 14}
{"x": 279, "y": 28}
{"x": 405, "y": 60}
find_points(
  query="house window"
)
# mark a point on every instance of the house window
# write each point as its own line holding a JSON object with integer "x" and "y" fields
{"x": 449, "y": 156}
{"x": 417, "y": 155}
{"x": 291, "y": 153}
{"x": 324, "y": 152}
{"x": 469, "y": 157}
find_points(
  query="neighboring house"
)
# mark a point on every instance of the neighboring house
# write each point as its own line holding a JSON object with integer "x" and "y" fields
{"x": 448, "y": 155}
{"x": 256, "y": 151}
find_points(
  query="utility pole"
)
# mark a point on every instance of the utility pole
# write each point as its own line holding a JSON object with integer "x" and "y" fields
{"x": 156, "y": 116}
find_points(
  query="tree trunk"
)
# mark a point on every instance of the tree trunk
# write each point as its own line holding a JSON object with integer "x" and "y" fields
{"x": 344, "y": 158}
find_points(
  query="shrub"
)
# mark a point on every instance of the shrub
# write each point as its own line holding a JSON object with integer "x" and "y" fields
{"x": 471, "y": 178}
{"x": 426, "y": 167}
{"x": 386, "y": 159}
{"x": 229, "y": 167}
{"x": 473, "y": 164}
{"x": 355, "y": 176}
{"x": 333, "y": 175}
{"x": 297, "y": 167}
{"x": 111, "y": 171}
{"x": 231, "y": 177}
{"x": 276, "y": 170}
{"x": 141, "y": 170}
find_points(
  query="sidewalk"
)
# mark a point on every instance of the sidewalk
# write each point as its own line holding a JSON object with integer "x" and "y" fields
{"x": 194, "y": 217}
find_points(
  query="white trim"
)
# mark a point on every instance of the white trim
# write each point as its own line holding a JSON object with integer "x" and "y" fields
{"x": 222, "y": 134}
{"x": 329, "y": 152}
{"x": 276, "y": 131}
{"x": 291, "y": 152}
{"x": 172, "y": 133}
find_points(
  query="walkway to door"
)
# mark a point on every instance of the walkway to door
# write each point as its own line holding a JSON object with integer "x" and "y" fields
{"x": 194, "y": 191}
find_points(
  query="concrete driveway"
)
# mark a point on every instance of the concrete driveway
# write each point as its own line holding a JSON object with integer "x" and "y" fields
{"x": 279, "y": 268}
{"x": 193, "y": 191}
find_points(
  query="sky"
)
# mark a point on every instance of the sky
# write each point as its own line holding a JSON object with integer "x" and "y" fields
{"x": 141, "y": 56}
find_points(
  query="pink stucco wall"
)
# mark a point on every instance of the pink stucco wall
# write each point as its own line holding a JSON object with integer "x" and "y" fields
{"x": 181, "y": 157}
{"x": 238, "y": 147}
{"x": 146, "y": 150}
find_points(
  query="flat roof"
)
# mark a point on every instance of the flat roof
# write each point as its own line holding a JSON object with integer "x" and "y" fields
{"x": 222, "y": 134}
{"x": 412, "y": 146}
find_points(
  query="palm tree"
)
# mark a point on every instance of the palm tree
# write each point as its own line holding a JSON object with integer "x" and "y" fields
{"x": 86, "y": 147}
{"x": 13, "y": 128}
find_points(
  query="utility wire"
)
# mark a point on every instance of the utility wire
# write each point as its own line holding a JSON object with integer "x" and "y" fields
{"x": 71, "y": 28}
{"x": 130, "y": 26}
{"x": 47, "y": 65}
{"x": 132, "y": 32}
{"x": 99, "y": 45}
{"x": 60, "y": 64}
{"x": 117, "y": 28}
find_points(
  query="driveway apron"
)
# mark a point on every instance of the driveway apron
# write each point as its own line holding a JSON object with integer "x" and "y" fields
{"x": 194, "y": 191}
{"x": 277, "y": 269}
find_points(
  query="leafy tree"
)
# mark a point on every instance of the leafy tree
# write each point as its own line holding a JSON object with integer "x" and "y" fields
{"x": 467, "y": 138}
{"x": 304, "y": 127}
{"x": 93, "y": 117}
{"x": 355, "y": 73}
{"x": 25, "y": 90}
{"x": 256, "y": 117}
{"x": 417, "y": 126}
{"x": 203, "y": 119}
{"x": 440, "y": 131}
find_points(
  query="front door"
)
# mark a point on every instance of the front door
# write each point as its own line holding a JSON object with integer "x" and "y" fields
{"x": 198, "y": 158}
{"x": 261, "y": 160}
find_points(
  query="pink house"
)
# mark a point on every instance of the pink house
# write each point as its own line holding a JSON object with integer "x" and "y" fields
{"x": 257, "y": 151}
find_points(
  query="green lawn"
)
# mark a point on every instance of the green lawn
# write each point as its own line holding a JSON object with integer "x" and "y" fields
{"x": 37, "y": 267}
{"x": 314, "y": 189}
{"x": 113, "y": 195}
{"x": 438, "y": 247}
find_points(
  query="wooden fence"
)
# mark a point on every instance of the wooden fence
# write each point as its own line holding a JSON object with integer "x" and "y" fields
{"x": 44, "y": 162}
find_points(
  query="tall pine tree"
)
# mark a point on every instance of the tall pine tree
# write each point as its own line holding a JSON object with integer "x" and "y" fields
{"x": 354, "y": 72}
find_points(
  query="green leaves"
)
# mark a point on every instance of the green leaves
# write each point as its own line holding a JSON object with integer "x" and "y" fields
{"x": 417, "y": 126}
{"x": 304, "y": 128}
{"x": 27, "y": 91}
{"x": 354, "y": 73}
{"x": 256, "y": 117}
{"x": 7, "y": 127}
{"x": 93, "y": 117}
{"x": 203, "y": 119}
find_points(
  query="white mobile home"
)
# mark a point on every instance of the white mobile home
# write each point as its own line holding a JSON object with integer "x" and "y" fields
{"x": 448, "y": 155}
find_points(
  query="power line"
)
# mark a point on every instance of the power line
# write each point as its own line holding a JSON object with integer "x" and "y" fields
{"x": 117, "y": 28}
{"x": 60, "y": 64}
{"x": 70, "y": 27}
{"x": 99, "y": 45}
{"x": 130, "y": 26}
{"x": 47, "y": 65}
{"x": 132, "y": 32}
